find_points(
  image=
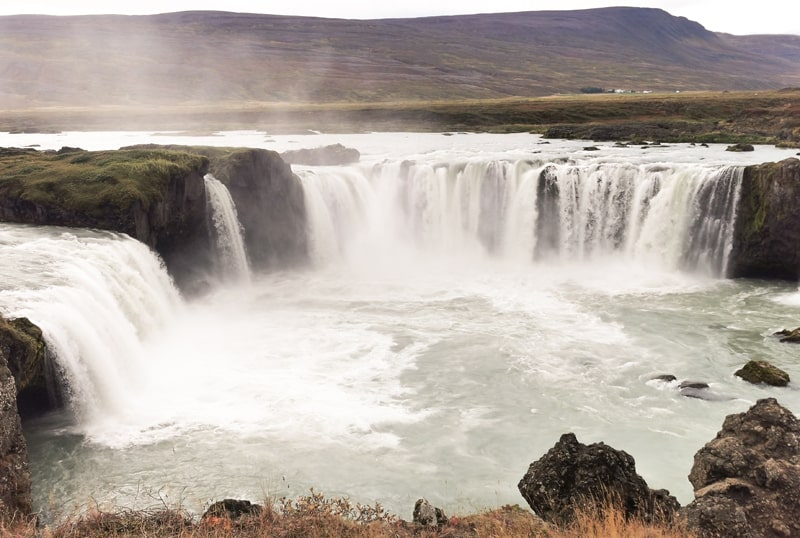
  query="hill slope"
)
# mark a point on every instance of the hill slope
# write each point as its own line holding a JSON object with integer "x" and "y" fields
{"x": 207, "y": 57}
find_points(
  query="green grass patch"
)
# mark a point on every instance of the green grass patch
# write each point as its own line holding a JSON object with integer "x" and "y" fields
{"x": 96, "y": 182}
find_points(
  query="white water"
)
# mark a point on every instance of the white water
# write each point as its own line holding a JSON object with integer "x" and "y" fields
{"x": 231, "y": 255}
{"x": 98, "y": 298}
{"x": 439, "y": 344}
{"x": 663, "y": 216}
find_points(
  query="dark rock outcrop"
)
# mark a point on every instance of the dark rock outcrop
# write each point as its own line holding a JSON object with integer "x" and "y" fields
{"x": 747, "y": 479}
{"x": 572, "y": 476}
{"x": 334, "y": 154}
{"x": 740, "y": 147}
{"x": 232, "y": 509}
{"x": 787, "y": 336}
{"x": 766, "y": 240}
{"x": 427, "y": 515}
{"x": 757, "y": 372}
{"x": 22, "y": 344}
{"x": 270, "y": 202}
{"x": 15, "y": 480}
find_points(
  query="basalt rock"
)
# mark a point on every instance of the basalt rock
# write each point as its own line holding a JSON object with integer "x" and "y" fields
{"x": 271, "y": 205}
{"x": 740, "y": 147}
{"x": 23, "y": 346}
{"x": 787, "y": 336}
{"x": 766, "y": 236}
{"x": 747, "y": 479}
{"x": 572, "y": 476}
{"x": 232, "y": 509}
{"x": 334, "y": 154}
{"x": 269, "y": 201}
{"x": 15, "y": 480}
{"x": 427, "y": 515}
{"x": 757, "y": 372}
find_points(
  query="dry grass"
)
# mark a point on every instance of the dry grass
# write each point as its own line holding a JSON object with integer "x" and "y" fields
{"x": 315, "y": 516}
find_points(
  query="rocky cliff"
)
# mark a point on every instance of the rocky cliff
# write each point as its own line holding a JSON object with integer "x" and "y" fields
{"x": 15, "y": 481}
{"x": 766, "y": 240}
{"x": 155, "y": 196}
{"x": 270, "y": 202}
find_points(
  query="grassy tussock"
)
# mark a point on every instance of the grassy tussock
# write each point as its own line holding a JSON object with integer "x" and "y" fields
{"x": 316, "y": 516}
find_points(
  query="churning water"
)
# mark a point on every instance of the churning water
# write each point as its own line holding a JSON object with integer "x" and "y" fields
{"x": 458, "y": 316}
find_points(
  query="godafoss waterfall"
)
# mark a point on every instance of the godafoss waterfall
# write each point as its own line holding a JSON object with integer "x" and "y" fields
{"x": 464, "y": 301}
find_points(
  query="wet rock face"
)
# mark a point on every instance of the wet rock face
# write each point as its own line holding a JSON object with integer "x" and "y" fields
{"x": 271, "y": 205}
{"x": 747, "y": 479}
{"x": 572, "y": 476}
{"x": 332, "y": 155}
{"x": 766, "y": 238}
{"x": 15, "y": 479}
{"x": 24, "y": 347}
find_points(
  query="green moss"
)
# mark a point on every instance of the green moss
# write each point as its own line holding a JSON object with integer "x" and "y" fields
{"x": 92, "y": 182}
{"x": 756, "y": 200}
{"x": 24, "y": 347}
{"x": 757, "y": 372}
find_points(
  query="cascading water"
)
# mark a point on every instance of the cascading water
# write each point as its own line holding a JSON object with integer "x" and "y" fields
{"x": 97, "y": 297}
{"x": 231, "y": 256}
{"x": 671, "y": 216}
{"x": 473, "y": 297}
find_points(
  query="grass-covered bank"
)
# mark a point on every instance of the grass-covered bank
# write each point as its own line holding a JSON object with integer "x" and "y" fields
{"x": 92, "y": 183}
{"x": 771, "y": 117}
{"x": 318, "y": 516}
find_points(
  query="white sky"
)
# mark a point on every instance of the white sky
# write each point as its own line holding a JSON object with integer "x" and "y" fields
{"x": 731, "y": 16}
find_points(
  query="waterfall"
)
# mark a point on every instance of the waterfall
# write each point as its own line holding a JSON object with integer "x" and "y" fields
{"x": 675, "y": 216}
{"x": 97, "y": 297}
{"x": 231, "y": 256}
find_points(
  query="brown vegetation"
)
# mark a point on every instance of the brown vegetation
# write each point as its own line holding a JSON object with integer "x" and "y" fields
{"x": 316, "y": 516}
{"x": 756, "y": 117}
{"x": 211, "y": 57}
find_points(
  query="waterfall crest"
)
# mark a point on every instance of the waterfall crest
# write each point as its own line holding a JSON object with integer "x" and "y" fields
{"x": 675, "y": 216}
{"x": 97, "y": 297}
{"x": 230, "y": 253}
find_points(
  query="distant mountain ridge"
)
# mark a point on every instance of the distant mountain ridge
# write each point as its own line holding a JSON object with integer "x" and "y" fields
{"x": 211, "y": 57}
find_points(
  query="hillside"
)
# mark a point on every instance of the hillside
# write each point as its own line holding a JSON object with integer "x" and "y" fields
{"x": 213, "y": 57}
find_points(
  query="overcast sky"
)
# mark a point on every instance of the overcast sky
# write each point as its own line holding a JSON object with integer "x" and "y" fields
{"x": 731, "y": 16}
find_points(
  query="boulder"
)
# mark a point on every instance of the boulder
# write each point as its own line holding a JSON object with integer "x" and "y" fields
{"x": 331, "y": 155}
{"x": 572, "y": 477}
{"x": 747, "y": 479}
{"x": 763, "y": 372}
{"x": 15, "y": 478}
{"x": 427, "y": 515}
{"x": 232, "y": 509}
{"x": 740, "y": 147}
{"x": 787, "y": 336}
